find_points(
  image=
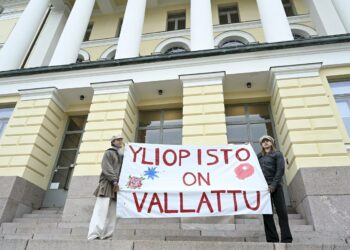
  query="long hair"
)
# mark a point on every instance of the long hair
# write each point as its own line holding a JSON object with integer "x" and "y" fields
{"x": 273, "y": 148}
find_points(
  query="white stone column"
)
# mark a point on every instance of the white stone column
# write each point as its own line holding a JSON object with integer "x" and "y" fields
{"x": 274, "y": 21}
{"x": 68, "y": 46}
{"x": 130, "y": 35}
{"x": 343, "y": 9}
{"x": 325, "y": 17}
{"x": 45, "y": 46}
{"x": 201, "y": 25}
{"x": 20, "y": 39}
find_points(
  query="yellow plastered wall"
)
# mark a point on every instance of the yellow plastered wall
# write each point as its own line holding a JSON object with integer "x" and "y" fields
{"x": 6, "y": 26}
{"x": 306, "y": 126}
{"x": 110, "y": 114}
{"x": 204, "y": 116}
{"x": 300, "y": 7}
{"x": 30, "y": 142}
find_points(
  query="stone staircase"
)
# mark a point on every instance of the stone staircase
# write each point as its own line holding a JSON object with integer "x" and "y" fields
{"x": 45, "y": 229}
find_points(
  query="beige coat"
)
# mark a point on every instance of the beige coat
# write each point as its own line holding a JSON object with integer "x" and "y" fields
{"x": 111, "y": 167}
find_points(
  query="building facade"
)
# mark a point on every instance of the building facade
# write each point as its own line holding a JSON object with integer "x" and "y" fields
{"x": 74, "y": 73}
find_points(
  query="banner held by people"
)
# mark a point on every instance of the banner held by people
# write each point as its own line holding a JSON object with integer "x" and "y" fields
{"x": 189, "y": 181}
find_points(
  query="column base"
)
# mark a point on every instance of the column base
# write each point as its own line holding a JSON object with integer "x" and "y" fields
{"x": 17, "y": 197}
{"x": 322, "y": 196}
{"x": 80, "y": 200}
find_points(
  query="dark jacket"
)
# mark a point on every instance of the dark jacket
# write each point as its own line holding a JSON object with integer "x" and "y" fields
{"x": 272, "y": 165}
{"x": 111, "y": 166}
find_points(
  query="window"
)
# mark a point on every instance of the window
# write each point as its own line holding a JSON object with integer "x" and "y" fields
{"x": 80, "y": 59}
{"x": 68, "y": 153}
{"x": 5, "y": 114}
{"x": 300, "y": 34}
{"x": 341, "y": 92}
{"x": 232, "y": 43}
{"x": 160, "y": 127}
{"x": 228, "y": 14}
{"x": 176, "y": 21}
{"x": 88, "y": 32}
{"x": 174, "y": 50}
{"x": 288, "y": 7}
{"x": 119, "y": 29}
{"x": 247, "y": 123}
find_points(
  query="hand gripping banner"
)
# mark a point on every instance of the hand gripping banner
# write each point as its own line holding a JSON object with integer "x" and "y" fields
{"x": 189, "y": 181}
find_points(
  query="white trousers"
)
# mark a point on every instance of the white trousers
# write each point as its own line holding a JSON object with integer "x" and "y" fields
{"x": 103, "y": 219}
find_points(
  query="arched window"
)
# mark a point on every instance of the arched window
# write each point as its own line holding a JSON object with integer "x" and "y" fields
{"x": 83, "y": 56}
{"x": 174, "y": 50}
{"x": 80, "y": 59}
{"x": 232, "y": 43}
{"x": 300, "y": 34}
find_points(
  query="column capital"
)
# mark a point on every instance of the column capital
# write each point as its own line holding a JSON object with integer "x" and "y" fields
{"x": 202, "y": 79}
{"x": 42, "y": 94}
{"x": 113, "y": 87}
{"x": 292, "y": 72}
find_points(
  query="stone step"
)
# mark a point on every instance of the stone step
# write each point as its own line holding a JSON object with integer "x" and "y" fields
{"x": 36, "y": 220}
{"x": 258, "y": 216}
{"x": 10, "y": 227}
{"x": 148, "y": 220}
{"x": 41, "y": 216}
{"x": 48, "y": 211}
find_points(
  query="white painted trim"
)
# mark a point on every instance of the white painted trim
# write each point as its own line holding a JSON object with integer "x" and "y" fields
{"x": 43, "y": 93}
{"x": 303, "y": 30}
{"x": 102, "y": 88}
{"x": 241, "y": 36}
{"x": 292, "y": 72}
{"x": 172, "y": 42}
{"x": 107, "y": 51}
{"x": 202, "y": 79}
{"x": 85, "y": 54}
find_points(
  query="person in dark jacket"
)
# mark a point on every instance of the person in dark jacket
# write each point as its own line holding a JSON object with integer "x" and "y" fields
{"x": 103, "y": 218}
{"x": 272, "y": 165}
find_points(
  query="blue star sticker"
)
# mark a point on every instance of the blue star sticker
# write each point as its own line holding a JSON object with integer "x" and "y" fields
{"x": 151, "y": 173}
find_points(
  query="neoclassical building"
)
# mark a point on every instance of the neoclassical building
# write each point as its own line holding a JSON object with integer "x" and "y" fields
{"x": 74, "y": 73}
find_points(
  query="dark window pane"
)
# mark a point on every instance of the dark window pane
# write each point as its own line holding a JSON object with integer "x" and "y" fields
{"x": 258, "y": 112}
{"x": 347, "y": 124}
{"x": 237, "y": 133}
{"x": 172, "y": 136}
{"x": 66, "y": 158}
{"x": 171, "y": 25}
{"x": 181, "y": 24}
{"x": 174, "y": 50}
{"x": 152, "y": 136}
{"x": 71, "y": 141}
{"x": 233, "y": 43}
{"x": 235, "y": 114}
{"x": 173, "y": 118}
{"x": 256, "y": 146}
{"x": 149, "y": 118}
{"x": 76, "y": 123}
{"x": 5, "y": 112}
{"x": 223, "y": 19}
{"x": 61, "y": 176}
{"x": 258, "y": 130}
{"x": 234, "y": 18}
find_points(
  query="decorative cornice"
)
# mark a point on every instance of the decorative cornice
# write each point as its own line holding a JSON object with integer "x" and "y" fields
{"x": 202, "y": 79}
{"x": 102, "y": 88}
{"x": 42, "y": 93}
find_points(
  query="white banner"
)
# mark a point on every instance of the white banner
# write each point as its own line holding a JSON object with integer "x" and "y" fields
{"x": 189, "y": 181}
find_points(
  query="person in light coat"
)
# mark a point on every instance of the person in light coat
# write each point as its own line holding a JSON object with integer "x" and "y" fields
{"x": 103, "y": 218}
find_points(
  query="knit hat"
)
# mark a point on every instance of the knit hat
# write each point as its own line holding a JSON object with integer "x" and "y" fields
{"x": 266, "y": 137}
{"x": 116, "y": 137}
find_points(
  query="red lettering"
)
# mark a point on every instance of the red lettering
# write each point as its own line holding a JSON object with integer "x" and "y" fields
{"x": 155, "y": 201}
{"x": 157, "y": 157}
{"x": 234, "y": 192}
{"x": 144, "y": 161}
{"x": 226, "y": 154}
{"x": 212, "y": 155}
{"x": 165, "y": 157}
{"x": 257, "y": 201}
{"x": 138, "y": 206}
{"x": 204, "y": 199}
{"x": 183, "y": 156}
{"x": 182, "y": 209}
{"x": 184, "y": 177}
{"x": 200, "y": 177}
{"x": 166, "y": 210}
{"x": 199, "y": 156}
{"x": 240, "y": 150}
{"x": 218, "y": 197}
{"x": 135, "y": 152}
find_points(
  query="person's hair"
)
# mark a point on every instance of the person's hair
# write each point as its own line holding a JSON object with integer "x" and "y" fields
{"x": 273, "y": 148}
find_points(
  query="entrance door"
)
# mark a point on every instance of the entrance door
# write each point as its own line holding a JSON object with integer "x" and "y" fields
{"x": 58, "y": 189}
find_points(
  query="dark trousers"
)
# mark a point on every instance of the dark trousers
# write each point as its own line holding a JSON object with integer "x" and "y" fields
{"x": 277, "y": 198}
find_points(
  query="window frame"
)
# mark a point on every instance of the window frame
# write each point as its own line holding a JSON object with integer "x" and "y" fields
{"x": 176, "y": 19}
{"x": 228, "y": 13}
{"x": 5, "y": 119}
{"x": 161, "y": 125}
